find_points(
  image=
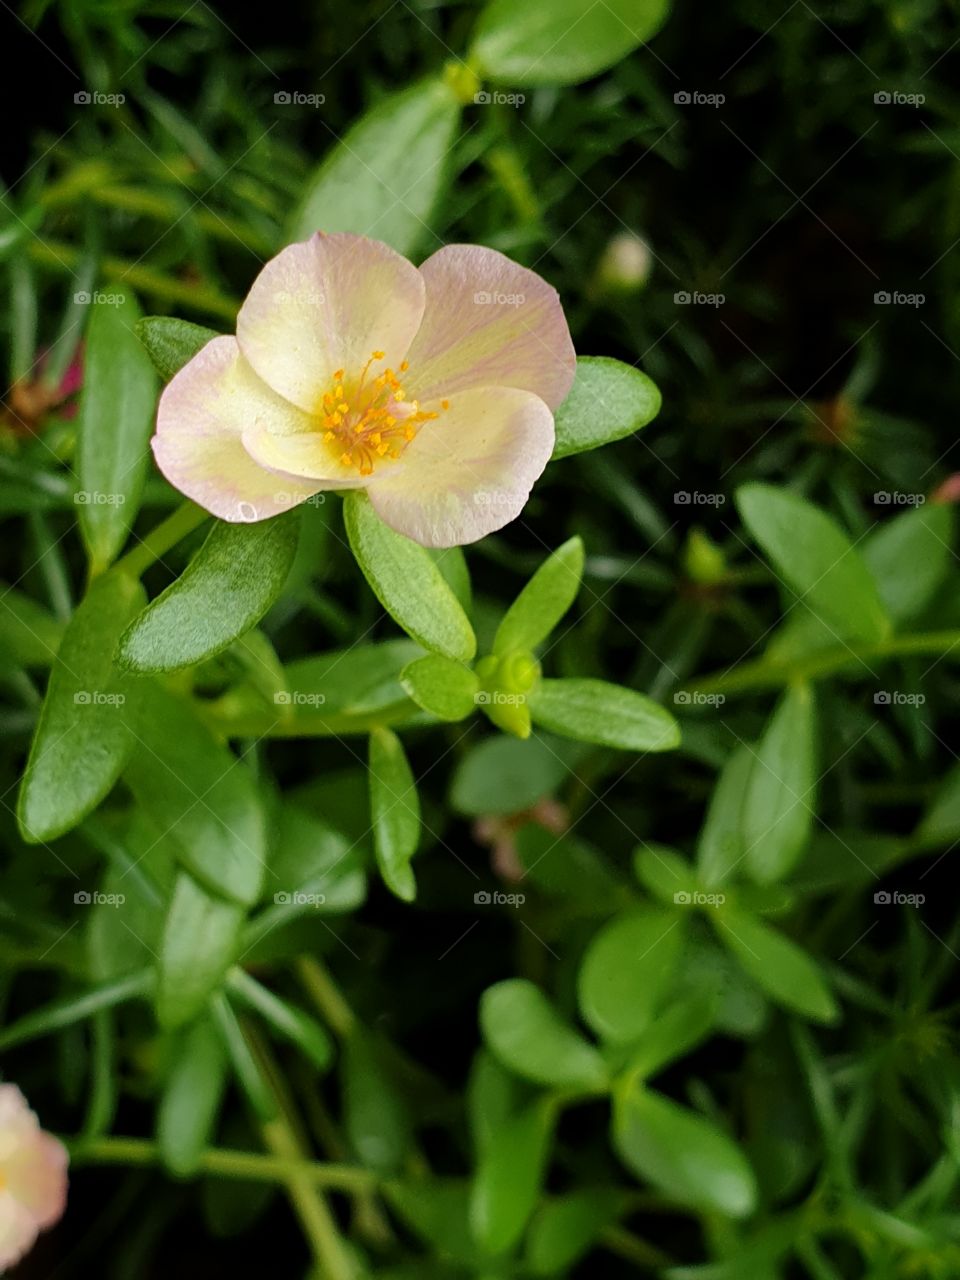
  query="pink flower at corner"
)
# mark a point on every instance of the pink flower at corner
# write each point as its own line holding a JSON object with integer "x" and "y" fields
{"x": 431, "y": 388}
{"x": 33, "y": 1177}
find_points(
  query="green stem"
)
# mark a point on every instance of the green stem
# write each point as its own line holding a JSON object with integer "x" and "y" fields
{"x": 161, "y": 538}
{"x": 763, "y": 674}
{"x": 317, "y": 1221}
{"x": 626, "y": 1245}
{"x": 143, "y": 279}
{"x": 325, "y": 994}
{"x": 221, "y": 1162}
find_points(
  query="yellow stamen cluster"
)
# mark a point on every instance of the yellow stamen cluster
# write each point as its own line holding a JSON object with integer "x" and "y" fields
{"x": 367, "y": 420}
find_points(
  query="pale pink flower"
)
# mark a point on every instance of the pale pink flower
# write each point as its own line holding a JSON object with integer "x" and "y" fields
{"x": 33, "y": 1177}
{"x": 431, "y": 388}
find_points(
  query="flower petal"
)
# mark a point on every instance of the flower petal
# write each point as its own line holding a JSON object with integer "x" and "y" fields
{"x": 303, "y": 455}
{"x": 489, "y": 322}
{"x": 470, "y": 470}
{"x": 324, "y": 305}
{"x": 198, "y": 445}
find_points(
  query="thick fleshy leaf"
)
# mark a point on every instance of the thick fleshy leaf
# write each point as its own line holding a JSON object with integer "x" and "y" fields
{"x": 527, "y": 1035}
{"x": 721, "y": 847}
{"x": 172, "y": 343}
{"x": 198, "y": 447}
{"x": 29, "y": 634}
{"x": 815, "y": 557}
{"x": 509, "y": 1176}
{"x": 563, "y": 42}
{"x": 376, "y": 1117}
{"x": 360, "y": 186}
{"x": 488, "y": 322}
{"x": 117, "y": 403}
{"x": 359, "y": 681}
{"x": 909, "y": 556}
{"x": 626, "y": 972}
{"x": 226, "y": 589}
{"x": 564, "y": 1228}
{"x": 682, "y": 1154}
{"x": 325, "y": 305}
{"x": 608, "y": 714}
{"x": 543, "y": 601}
{"x": 470, "y": 470}
{"x": 507, "y": 775}
{"x": 201, "y": 797}
{"x": 394, "y": 812}
{"x": 191, "y": 1098}
{"x": 85, "y": 732}
{"x": 407, "y": 582}
{"x": 777, "y": 965}
{"x": 779, "y": 804}
{"x": 445, "y": 688}
{"x": 608, "y": 401}
{"x": 201, "y": 938}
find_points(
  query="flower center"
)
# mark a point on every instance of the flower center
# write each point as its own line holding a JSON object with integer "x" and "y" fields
{"x": 367, "y": 418}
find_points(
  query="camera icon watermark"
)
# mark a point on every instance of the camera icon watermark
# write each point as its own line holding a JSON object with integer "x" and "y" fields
{"x": 496, "y": 898}
{"x": 894, "y": 698}
{"x": 696, "y": 898}
{"x": 485, "y": 98}
{"x": 95, "y": 698}
{"x": 694, "y": 298}
{"x": 294, "y": 98}
{"x": 894, "y": 898}
{"x": 894, "y": 98}
{"x": 94, "y": 98}
{"x": 86, "y": 898}
{"x": 694, "y": 498}
{"x": 298, "y": 698}
{"x": 297, "y": 898}
{"x": 695, "y": 98}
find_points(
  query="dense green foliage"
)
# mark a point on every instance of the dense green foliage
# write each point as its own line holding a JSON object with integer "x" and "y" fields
{"x": 575, "y": 904}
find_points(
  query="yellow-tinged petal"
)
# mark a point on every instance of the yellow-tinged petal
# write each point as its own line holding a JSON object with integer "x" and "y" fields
{"x": 320, "y": 307}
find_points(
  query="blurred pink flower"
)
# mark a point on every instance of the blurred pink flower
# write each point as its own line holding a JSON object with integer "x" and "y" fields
{"x": 433, "y": 389}
{"x": 33, "y": 1177}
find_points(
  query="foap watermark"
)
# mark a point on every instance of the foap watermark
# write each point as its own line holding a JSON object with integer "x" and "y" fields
{"x": 94, "y": 498}
{"x": 496, "y": 98}
{"x": 696, "y": 98}
{"x": 492, "y": 498}
{"x": 295, "y": 98}
{"x": 485, "y": 299}
{"x": 94, "y": 98}
{"x": 498, "y": 698}
{"x": 883, "y": 498}
{"x": 694, "y": 298}
{"x": 694, "y": 498}
{"x": 309, "y": 297}
{"x": 895, "y": 898}
{"x": 297, "y": 898}
{"x": 94, "y": 898}
{"x": 496, "y": 898}
{"x": 298, "y": 698}
{"x": 896, "y": 698}
{"x": 98, "y": 698}
{"x": 691, "y": 698}
{"x": 894, "y": 298}
{"x": 84, "y": 298}
{"x": 894, "y": 98}
{"x": 696, "y": 898}
{"x": 284, "y": 498}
